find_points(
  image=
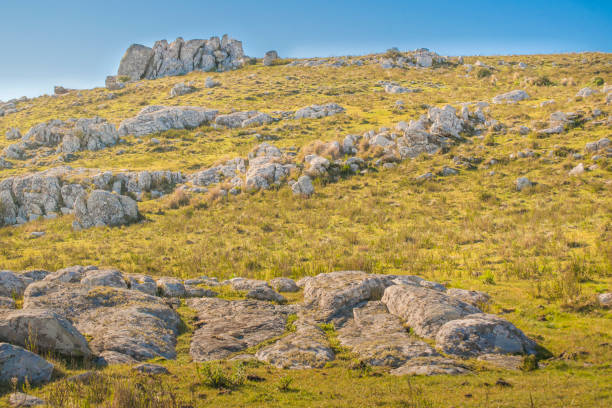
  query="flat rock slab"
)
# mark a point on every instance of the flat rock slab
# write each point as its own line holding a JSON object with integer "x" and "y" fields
{"x": 17, "y": 362}
{"x": 307, "y": 347}
{"x": 125, "y": 321}
{"x": 430, "y": 366}
{"x": 379, "y": 337}
{"x": 483, "y": 334}
{"x": 228, "y": 327}
{"x": 147, "y": 368}
{"x": 19, "y": 399}
{"x": 49, "y": 331}
{"x": 425, "y": 310}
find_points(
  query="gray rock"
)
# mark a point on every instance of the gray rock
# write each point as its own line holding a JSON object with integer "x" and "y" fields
{"x": 247, "y": 284}
{"x": 473, "y": 297}
{"x": 16, "y": 362}
{"x": 269, "y": 58}
{"x": 307, "y": 347}
{"x": 232, "y": 326}
{"x": 584, "y": 92}
{"x": 379, "y": 339}
{"x": 110, "y": 357}
{"x": 605, "y": 299}
{"x": 424, "y": 310}
{"x": 522, "y": 183}
{"x": 303, "y": 186}
{"x": 142, "y": 283}
{"x": 135, "y": 62}
{"x": 154, "y": 119}
{"x": 284, "y": 285}
{"x": 12, "y": 284}
{"x": 577, "y": 171}
{"x": 244, "y": 119}
{"x": 105, "y": 277}
{"x": 211, "y": 83}
{"x": 46, "y": 330}
{"x": 101, "y": 208}
{"x": 482, "y": 333}
{"x": 511, "y": 97}
{"x": 181, "y": 89}
{"x": 19, "y": 399}
{"x": 265, "y": 293}
{"x": 113, "y": 83}
{"x": 318, "y": 111}
{"x": 6, "y": 303}
{"x": 171, "y": 287}
{"x": 147, "y": 368}
{"x": 430, "y": 366}
{"x": 13, "y": 134}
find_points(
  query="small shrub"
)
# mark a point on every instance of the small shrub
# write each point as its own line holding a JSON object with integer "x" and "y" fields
{"x": 284, "y": 384}
{"x": 488, "y": 278}
{"x": 178, "y": 199}
{"x": 214, "y": 375}
{"x": 530, "y": 363}
{"x": 542, "y": 81}
{"x": 483, "y": 73}
{"x": 598, "y": 81}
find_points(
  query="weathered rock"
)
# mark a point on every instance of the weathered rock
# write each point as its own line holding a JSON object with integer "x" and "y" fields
{"x": 211, "y": 83}
{"x": 511, "y": 97}
{"x": 265, "y": 293}
{"x": 142, "y": 283}
{"x": 577, "y": 171}
{"x": 181, "y": 89}
{"x": 228, "y": 327}
{"x": 473, "y": 297}
{"x": 605, "y": 299}
{"x": 430, "y": 366}
{"x": 379, "y": 337}
{"x": 46, "y": 330}
{"x": 584, "y": 92}
{"x": 101, "y": 208}
{"x": 319, "y": 111}
{"x": 121, "y": 320}
{"x": 13, "y": 134}
{"x": 154, "y": 119}
{"x": 303, "y": 186}
{"x": 16, "y": 362}
{"x": 12, "y": 284}
{"x": 135, "y": 62}
{"x": 147, "y": 368}
{"x": 284, "y": 285}
{"x": 482, "y": 333}
{"x": 445, "y": 122}
{"x": 246, "y": 284}
{"x": 332, "y": 296}
{"x": 105, "y": 277}
{"x": 523, "y": 183}
{"x": 171, "y": 287}
{"x": 424, "y": 310}
{"x": 21, "y": 400}
{"x": 110, "y": 357}
{"x": 6, "y": 303}
{"x": 307, "y": 347}
{"x": 270, "y": 58}
{"x": 244, "y": 119}
{"x": 113, "y": 83}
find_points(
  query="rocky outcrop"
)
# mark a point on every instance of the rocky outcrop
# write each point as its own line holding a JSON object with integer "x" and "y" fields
{"x": 511, "y": 97}
{"x": 244, "y": 119}
{"x": 69, "y": 136}
{"x": 154, "y": 119}
{"x": 228, "y": 327}
{"x": 318, "y": 111}
{"x": 101, "y": 208}
{"x": 180, "y": 57}
{"x": 19, "y": 363}
{"x": 45, "y": 330}
{"x": 12, "y": 284}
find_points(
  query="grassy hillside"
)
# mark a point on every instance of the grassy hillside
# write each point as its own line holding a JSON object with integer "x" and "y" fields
{"x": 543, "y": 254}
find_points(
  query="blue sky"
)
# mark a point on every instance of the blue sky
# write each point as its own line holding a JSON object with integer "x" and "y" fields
{"x": 77, "y": 43}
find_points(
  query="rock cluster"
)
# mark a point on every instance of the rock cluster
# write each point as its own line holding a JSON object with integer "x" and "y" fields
{"x": 102, "y": 314}
{"x": 68, "y": 136}
{"x": 180, "y": 57}
{"x": 420, "y": 58}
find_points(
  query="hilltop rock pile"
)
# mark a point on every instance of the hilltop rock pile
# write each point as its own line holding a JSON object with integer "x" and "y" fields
{"x": 180, "y": 57}
{"x": 102, "y": 313}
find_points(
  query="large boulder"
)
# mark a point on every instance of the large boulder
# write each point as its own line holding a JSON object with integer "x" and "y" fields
{"x": 12, "y": 284}
{"x": 19, "y": 363}
{"x": 135, "y": 61}
{"x": 270, "y": 58}
{"x": 226, "y": 327}
{"x": 482, "y": 333}
{"x": 43, "y": 329}
{"x": 105, "y": 277}
{"x": 424, "y": 310}
{"x": 101, "y": 208}
{"x": 154, "y": 119}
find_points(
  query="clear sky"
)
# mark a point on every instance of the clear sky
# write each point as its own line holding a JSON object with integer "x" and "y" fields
{"x": 77, "y": 43}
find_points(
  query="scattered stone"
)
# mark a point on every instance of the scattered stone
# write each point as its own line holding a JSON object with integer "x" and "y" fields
{"x": 511, "y": 97}
{"x": 153, "y": 369}
{"x": 270, "y": 58}
{"x": 584, "y": 92}
{"x": 577, "y": 171}
{"x": 211, "y": 83}
{"x": 113, "y": 83}
{"x": 13, "y": 134}
{"x": 19, "y": 363}
{"x": 284, "y": 285}
{"x": 171, "y": 287}
{"x": 605, "y": 299}
{"x": 244, "y": 119}
{"x": 181, "y": 89}
{"x": 522, "y": 183}
{"x": 19, "y": 399}
{"x": 265, "y": 293}
{"x": 303, "y": 186}
{"x": 318, "y": 111}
